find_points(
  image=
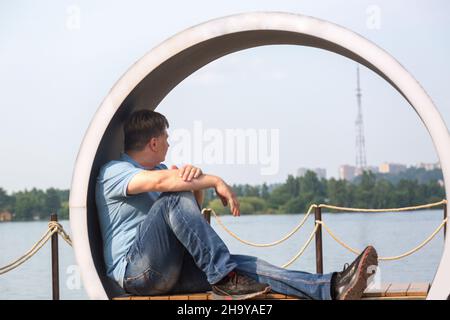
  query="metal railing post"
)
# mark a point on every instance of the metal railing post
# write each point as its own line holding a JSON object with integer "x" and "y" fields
{"x": 55, "y": 261}
{"x": 207, "y": 215}
{"x": 319, "y": 253}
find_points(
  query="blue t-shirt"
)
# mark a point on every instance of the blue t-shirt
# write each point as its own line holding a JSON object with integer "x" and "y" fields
{"x": 119, "y": 213}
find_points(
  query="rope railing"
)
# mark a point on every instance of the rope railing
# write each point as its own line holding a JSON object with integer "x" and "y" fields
{"x": 319, "y": 223}
{"x": 313, "y": 233}
{"x": 53, "y": 227}
{"x": 419, "y": 207}
{"x": 398, "y": 257}
{"x": 287, "y": 236}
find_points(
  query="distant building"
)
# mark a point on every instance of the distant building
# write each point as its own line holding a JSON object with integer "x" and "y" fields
{"x": 5, "y": 216}
{"x": 347, "y": 172}
{"x": 393, "y": 168}
{"x": 429, "y": 166}
{"x": 320, "y": 172}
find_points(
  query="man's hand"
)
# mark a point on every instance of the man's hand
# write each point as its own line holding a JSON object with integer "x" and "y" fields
{"x": 198, "y": 194}
{"x": 227, "y": 196}
{"x": 188, "y": 172}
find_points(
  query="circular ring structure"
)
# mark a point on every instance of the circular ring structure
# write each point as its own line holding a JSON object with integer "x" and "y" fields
{"x": 151, "y": 78}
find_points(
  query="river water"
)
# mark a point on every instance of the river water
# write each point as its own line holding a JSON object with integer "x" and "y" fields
{"x": 391, "y": 234}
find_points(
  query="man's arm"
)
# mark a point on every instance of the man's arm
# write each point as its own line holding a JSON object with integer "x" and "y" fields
{"x": 169, "y": 181}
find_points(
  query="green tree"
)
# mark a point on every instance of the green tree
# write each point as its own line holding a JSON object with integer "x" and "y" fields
{"x": 238, "y": 190}
{"x": 364, "y": 191}
{"x": 294, "y": 205}
{"x": 278, "y": 197}
{"x": 52, "y": 201}
{"x": 251, "y": 191}
{"x": 30, "y": 205}
{"x": 383, "y": 195}
{"x": 64, "y": 211}
{"x": 405, "y": 193}
{"x": 6, "y": 201}
{"x": 292, "y": 186}
{"x": 218, "y": 207}
{"x": 434, "y": 192}
{"x": 311, "y": 184}
{"x": 257, "y": 204}
{"x": 338, "y": 192}
{"x": 265, "y": 191}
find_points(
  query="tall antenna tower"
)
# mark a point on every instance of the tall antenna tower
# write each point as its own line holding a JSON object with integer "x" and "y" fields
{"x": 361, "y": 163}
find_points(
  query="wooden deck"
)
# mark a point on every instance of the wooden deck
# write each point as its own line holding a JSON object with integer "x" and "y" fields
{"x": 398, "y": 291}
{"x": 387, "y": 291}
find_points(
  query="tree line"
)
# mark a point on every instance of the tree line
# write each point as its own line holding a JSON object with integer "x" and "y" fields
{"x": 35, "y": 204}
{"x": 295, "y": 195}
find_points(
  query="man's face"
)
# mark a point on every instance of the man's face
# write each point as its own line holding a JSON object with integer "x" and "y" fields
{"x": 162, "y": 145}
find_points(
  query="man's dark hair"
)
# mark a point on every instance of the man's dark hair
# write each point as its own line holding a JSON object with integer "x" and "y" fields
{"x": 141, "y": 126}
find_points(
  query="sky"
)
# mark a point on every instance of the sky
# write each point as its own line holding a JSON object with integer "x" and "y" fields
{"x": 59, "y": 59}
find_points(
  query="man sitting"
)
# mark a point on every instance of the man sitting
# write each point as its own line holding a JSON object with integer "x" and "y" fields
{"x": 156, "y": 242}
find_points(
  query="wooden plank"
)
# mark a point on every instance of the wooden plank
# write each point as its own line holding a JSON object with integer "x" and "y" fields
{"x": 397, "y": 290}
{"x": 179, "y": 297}
{"x": 159, "y": 297}
{"x": 140, "y": 298}
{"x": 395, "y": 298}
{"x": 385, "y": 291}
{"x": 122, "y": 298}
{"x": 272, "y": 295}
{"x": 418, "y": 289}
{"x": 198, "y": 296}
{"x": 377, "y": 291}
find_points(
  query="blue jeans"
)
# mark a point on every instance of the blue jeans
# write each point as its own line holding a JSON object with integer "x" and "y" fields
{"x": 177, "y": 251}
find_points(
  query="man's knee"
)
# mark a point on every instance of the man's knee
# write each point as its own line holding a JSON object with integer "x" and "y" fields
{"x": 184, "y": 198}
{"x": 184, "y": 202}
{"x": 180, "y": 194}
